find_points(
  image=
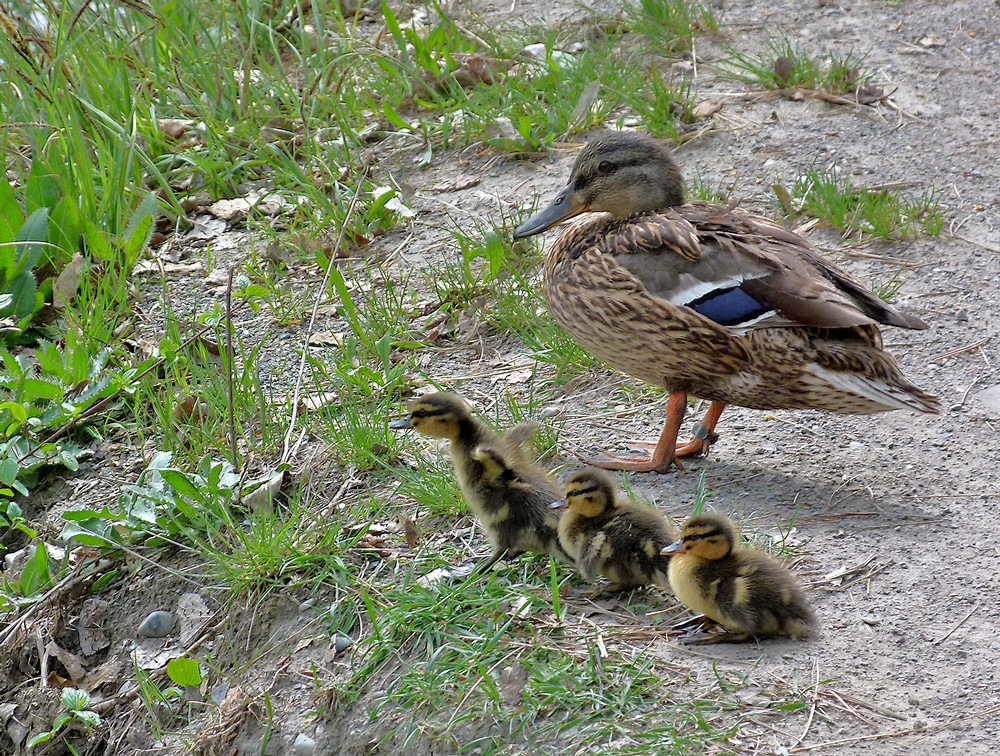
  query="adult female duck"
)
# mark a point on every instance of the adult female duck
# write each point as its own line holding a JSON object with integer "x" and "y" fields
{"x": 708, "y": 300}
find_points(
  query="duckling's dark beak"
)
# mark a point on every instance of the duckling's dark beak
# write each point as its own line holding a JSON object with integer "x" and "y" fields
{"x": 565, "y": 205}
{"x": 558, "y": 504}
{"x": 402, "y": 424}
{"x": 677, "y": 547}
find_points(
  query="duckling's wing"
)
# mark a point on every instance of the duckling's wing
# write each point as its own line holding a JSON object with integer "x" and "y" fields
{"x": 741, "y": 271}
{"x": 597, "y": 550}
{"x": 518, "y": 440}
{"x": 768, "y": 600}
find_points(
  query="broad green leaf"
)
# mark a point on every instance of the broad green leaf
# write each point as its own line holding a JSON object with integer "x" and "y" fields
{"x": 185, "y": 672}
{"x": 40, "y": 738}
{"x": 65, "y": 230}
{"x": 8, "y": 471}
{"x": 22, "y": 290}
{"x": 81, "y": 515}
{"x": 35, "y": 575}
{"x": 43, "y": 187}
{"x": 393, "y": 117}
{"x": 17, "y": 411}
{"x": 140, "y": 229}
{"x": 91, "y": 532}
{"x": 11, "y": 218}
{"x": 90, "y": 718}
{"x": 97, "y": 243}
{"x": 75, "y": 699}
{"x": 31, "y": 237}
{"x": 182, "y": 485}
{"x": 36, "y": 388}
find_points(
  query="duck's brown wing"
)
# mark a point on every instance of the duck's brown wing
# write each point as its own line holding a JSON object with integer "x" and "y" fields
{"x": 741, "y": 272}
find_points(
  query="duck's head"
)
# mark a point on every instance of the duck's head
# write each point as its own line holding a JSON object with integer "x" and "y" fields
{"x": 440, "y": 415}
{"x": 588, "y": 493}
{"x": 618, "y": 172}
{"x": 708, "y": 535}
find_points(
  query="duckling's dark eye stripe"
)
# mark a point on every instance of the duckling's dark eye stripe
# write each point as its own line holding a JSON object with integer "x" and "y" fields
{"x": 580, "y": 491}
{"x": 427, "y": 413}
{"x": 701, "y": 536}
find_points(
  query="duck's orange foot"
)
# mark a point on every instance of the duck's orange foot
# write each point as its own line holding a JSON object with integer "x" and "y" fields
{"x": 701, "y": 441}
{"x": 644, "y": 463}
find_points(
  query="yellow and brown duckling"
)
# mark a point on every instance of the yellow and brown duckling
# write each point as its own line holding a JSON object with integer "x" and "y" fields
{"x": 613, "y": 537}
{"x": 746, "y": 591}
{"x": 708, "y": 300}
{"x": 508, "y": 494}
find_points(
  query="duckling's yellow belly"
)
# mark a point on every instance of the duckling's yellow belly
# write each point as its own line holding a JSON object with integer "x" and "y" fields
{"x": 694, "y": 589}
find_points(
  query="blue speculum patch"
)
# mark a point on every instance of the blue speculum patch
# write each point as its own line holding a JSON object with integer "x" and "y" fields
{"x": 729, "y": 307}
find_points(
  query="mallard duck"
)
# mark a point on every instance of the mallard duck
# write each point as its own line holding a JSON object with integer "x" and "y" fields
{"x": 708, "y": 300}
{"x": 746, "y": 591}
{"x": 508, "y": 494}
{"x": 607, "y": 535}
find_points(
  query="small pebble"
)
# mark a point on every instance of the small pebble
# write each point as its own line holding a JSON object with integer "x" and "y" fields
{"x": 341, "y": 643}
{"x": 157, "y": 624}
{"x": 219, "y": 693}
{"x": 304, "y": 745}
{"x": 307, "y": 604}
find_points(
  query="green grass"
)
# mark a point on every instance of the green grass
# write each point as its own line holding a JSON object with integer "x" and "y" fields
{"x": 785, "y": 65}
{"x": 880, "y": 213}
{"x": 670, "y": 26}
{"x": 319, "y": 115}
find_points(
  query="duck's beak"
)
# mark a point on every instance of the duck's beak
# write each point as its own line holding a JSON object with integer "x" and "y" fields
{"x": 402, "y": 424}
{"x": 677, "y": 547}
{"x": 565, "y": 205}
{"x": 558, "y": 504}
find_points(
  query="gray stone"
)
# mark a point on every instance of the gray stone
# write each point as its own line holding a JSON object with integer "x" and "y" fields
{"x": 990, "y": 398}
{"x": 157, "y": 624}
{"x": 304, "y": 745}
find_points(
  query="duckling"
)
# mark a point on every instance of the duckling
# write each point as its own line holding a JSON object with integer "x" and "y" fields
{"x": 507, "y": 493}
{"x": 606, "y": 535}
{"x": 746, "y": 591}
{"x": 708, "y": 300}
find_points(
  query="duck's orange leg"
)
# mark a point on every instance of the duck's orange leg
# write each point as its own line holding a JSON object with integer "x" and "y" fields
{"x": 704, "y": 432}
{"x": 664, "y": 453}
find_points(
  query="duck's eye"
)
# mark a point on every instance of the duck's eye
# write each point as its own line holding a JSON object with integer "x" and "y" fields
{"x": 419, "y": 413}
{"x": 604, "y": 166}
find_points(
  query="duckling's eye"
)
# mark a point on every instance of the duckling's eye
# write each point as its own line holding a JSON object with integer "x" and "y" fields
{"x": 604, "y": 166}
{"x": 419, "y": 413}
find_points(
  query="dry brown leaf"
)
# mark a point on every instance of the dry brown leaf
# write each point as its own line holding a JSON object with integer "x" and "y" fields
{"x": 473, "y": 69}
{"x": 175, "y": 128}
{"x": 190, "y": 410}
{"x": 707, "y": 109}
{"x": 316, "y": 401}
{"x": 932, "y": 40}
{"x": 327, "y": 338}
{"x": 75, "y": 665}
{"x": 457, "y": 184}
{"x": 410, "y": 530}
{"x": 67, "y": 283}
{"x": 218, "y": 277}
{"x": 90, "y": 626}
{"x": 278, "y": 254}
{"x": 108, "y": 672}
{"x": 783, "y": 67}
{"x": 196, "y": 202}
{"x": 230, "y": 209}
{"x": 205, "y": 228}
